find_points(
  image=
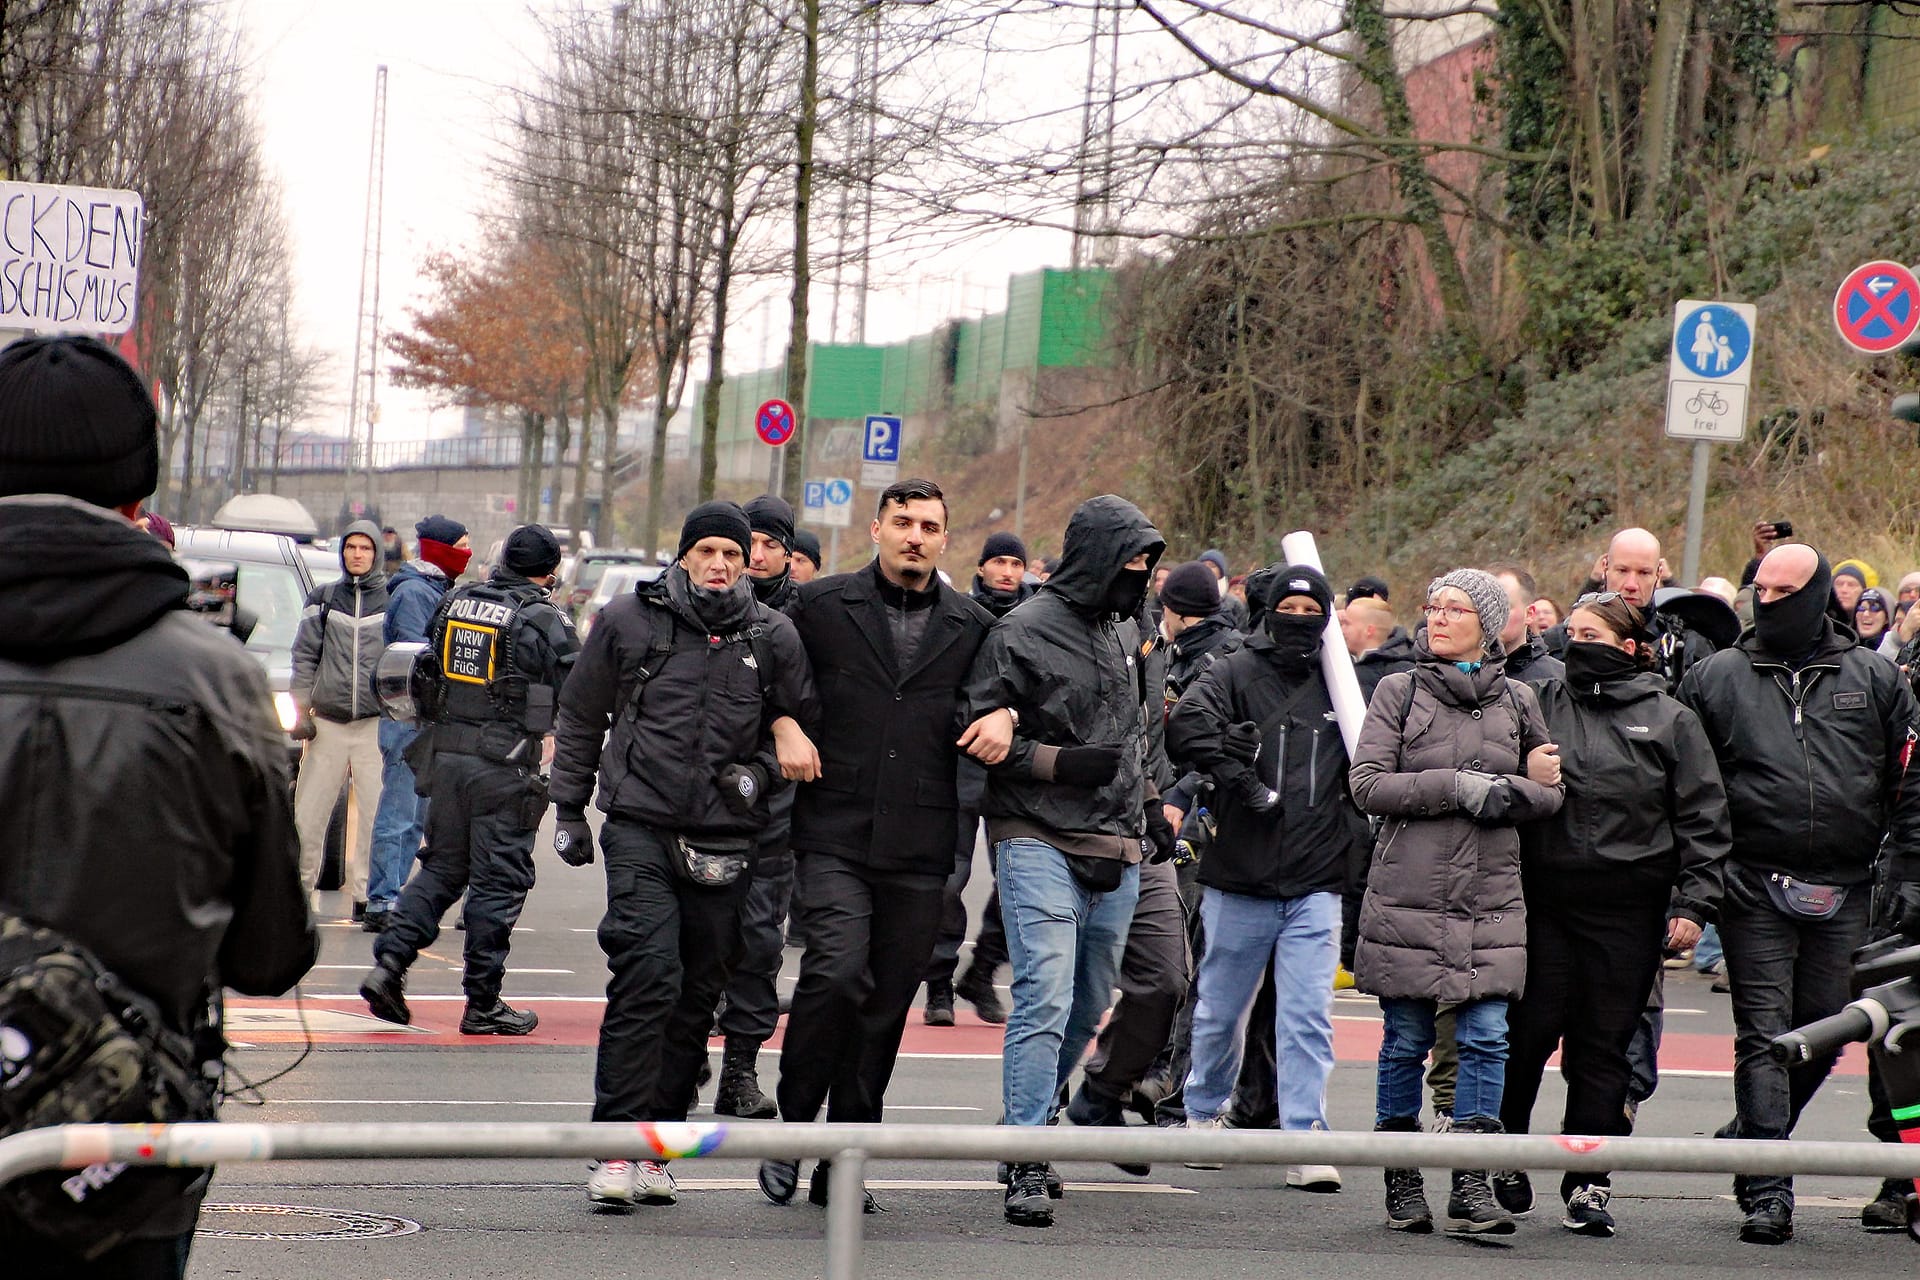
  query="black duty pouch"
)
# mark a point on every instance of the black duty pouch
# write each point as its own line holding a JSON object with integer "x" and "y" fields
{"x": 533, "y": 801}
{"x": 1806, "y": 901}
{"x": 712, "y": 862}
{"x": 1096, "y": 875}
{"x": 419, "y": 758}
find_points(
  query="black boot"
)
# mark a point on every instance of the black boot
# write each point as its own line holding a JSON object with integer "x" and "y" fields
{"x": 977, "y": 989}
{"x": 385, "y": 991}
{"x": 818, "y": 1190}
{"x": 497, "y": 1019}
{"x": 1406, "y": 1190}
{"x": 1888, "y": 1210}
{"x": 739, "y": 1093}
{"x": 939, "y": 1010}
{"x": 1472, "y": 1208}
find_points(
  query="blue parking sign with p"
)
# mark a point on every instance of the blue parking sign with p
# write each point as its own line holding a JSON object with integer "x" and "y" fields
{"x": 882, "y": 443}
{"x": 816, "y": 493}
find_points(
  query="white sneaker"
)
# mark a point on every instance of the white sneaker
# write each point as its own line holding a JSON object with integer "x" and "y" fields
{"x": 611, "y": 1183}
{"x": 1313, "y": 1177}
{"x": 1214, "y": 1123}
{"x": 653, "y": 1184}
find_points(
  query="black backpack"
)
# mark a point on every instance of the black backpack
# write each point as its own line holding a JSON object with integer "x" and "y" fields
{"x": 77, "y": 1046}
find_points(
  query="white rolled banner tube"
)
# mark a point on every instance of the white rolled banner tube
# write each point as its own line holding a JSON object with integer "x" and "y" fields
{"x": 1336, "y": 664}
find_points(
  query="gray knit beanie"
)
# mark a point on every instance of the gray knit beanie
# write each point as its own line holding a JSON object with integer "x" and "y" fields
{"x": 1488, "y": 596}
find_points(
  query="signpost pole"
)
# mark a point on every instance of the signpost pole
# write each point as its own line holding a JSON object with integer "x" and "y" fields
{"x": 773, "y": 475}
{"x": 833, "y": 550}
{"x": 1696, "y": 512}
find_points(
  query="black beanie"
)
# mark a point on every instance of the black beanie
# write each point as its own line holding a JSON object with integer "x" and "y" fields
{"x": 716, "y": 520}
{"x": 441, "y": 529}
{"x": 75, "y": 419}
{"x": 1301, "y": 580}
{"x": 772, "y": 517}
{"x": 1191, "y": 590}
{"x": 531, "y": 551}
{"x": 1002, "y": 544}
{"x": 1365, "y": 587}
{"x": 807, "y": 543}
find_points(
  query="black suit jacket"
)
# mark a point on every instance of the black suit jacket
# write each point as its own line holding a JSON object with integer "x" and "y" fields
{"x": 887, "y": 796}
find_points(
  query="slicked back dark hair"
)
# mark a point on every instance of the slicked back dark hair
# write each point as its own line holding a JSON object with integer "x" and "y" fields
{"x": 902, "y": 492}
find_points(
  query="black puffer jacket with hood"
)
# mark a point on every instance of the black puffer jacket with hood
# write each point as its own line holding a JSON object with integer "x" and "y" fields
{"x": 341, "y": 638}
{"x": 1068, "y": 662}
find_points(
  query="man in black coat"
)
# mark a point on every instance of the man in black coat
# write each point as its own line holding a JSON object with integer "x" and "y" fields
{"x": 873, "y": 836}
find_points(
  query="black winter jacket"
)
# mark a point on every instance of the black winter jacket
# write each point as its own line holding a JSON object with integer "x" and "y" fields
{"x": 1645, "y": 812}
{"x": 1306, "y": 844}
{"x": 702, "y": 711}
{"x": 1073, "y": 674}
{"x": 1532, "y": 663}
{"x": 1396, "y": 654}
{"x": 998, "y": 605}
{"x": 886, "y": 797}
{"x": 1814, "y": 761}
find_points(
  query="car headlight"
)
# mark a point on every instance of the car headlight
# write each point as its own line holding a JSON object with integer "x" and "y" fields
{"x": 283, "y": 706}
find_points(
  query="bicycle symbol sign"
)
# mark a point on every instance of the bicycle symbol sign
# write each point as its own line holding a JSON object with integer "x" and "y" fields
{"x": 1709, "y": 370}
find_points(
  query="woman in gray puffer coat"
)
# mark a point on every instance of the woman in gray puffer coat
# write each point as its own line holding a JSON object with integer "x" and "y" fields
{"x": 1452, "y": 756}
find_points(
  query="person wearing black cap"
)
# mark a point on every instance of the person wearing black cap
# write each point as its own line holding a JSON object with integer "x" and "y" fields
{"x": 698, "y": 682}
{"x": 999, "y": 581}
{"x": 147, "y": 716}
{"x": 504, "y": 651}
{"x": 806, "y": 559}
{"x": 1814, "y": 735}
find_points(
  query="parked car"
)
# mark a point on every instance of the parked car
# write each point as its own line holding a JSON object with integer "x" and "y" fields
{"x": 588, "y": 569}
{"x": 267, "y": 513}
{"x": 617, "y": 580}
{"x": 270, "y": 583}
{"x": 323, "y": 562}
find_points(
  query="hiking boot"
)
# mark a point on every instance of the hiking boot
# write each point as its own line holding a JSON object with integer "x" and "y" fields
{"x": 1056, "y": 1189}
{"x": 977, "y": 989}
{"x": 1471, "y": 1208}
{"x": 652, "y": 1184}
{"x": 385, "y": 991}
{"x": 1028, "y": 1202}
{"x": 499, "y": 1020}
{"x": 739, "y": 1093}
{"x": 1093, "y": 1109}
{"x": 1406, "y": 1190}
{"x": 610, "y": 1184}
{"x": 939, "y": 1010}
{"x": 1888, "y": 1210}
{"x": 376, "y": 920}
{"x": 1587, "y": 1212}
{"x": 779, "y": 1179}
{"x": 1513, "y": 1191}
{"x": 1209, "y": 1123}
{"x": 1769, "y": 1221}
{"x": 818, "y": 1190}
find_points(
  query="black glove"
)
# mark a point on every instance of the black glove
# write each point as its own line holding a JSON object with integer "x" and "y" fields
{"x": 1485, "y": 797}
{"x": 1160, "y": 832}
{"x": 1086, "y": 766}
{"x": 303, "y": 728}
{"x": 572, "y": 837}
{"x": 1241, "y": 741}
{"x": 741, "y": 787}
{"x": 1255, "y": 794}
{"x": 1906, "y": 909}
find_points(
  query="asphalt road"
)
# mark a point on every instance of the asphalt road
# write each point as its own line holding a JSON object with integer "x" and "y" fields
{"x": 476, "y": 1219}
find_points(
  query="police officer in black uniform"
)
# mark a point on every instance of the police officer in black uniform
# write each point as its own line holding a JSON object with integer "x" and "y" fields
{"x": 503, "y": 651}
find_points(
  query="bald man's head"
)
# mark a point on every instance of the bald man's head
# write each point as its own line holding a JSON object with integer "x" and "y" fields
{"x": 1784, "y": 570}
{"x": 1633, "y": 566}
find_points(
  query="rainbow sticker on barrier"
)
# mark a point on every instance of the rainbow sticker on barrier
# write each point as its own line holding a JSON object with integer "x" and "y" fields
{"x": 682, "y": 1141}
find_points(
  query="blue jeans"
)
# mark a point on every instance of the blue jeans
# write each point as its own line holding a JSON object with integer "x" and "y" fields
{"x": 1480, "y": 1029}
{"x": 1300, "y": 938}
{"x": 1065, "y": 944}
{"x": 398, "y": 823}
{"x": 1706, "y": 952}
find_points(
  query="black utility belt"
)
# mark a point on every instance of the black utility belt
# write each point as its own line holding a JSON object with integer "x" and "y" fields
{"x": 499, "y": 743}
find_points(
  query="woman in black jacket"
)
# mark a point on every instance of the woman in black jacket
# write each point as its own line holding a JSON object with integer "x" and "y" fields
{"x": 1630, "y": 864}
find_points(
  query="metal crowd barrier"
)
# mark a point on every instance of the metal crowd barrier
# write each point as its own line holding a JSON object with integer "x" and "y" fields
{"x": 851, "y": 1146}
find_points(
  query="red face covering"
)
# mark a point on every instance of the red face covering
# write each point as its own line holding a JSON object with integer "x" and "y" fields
{"x": 449, "y": 560}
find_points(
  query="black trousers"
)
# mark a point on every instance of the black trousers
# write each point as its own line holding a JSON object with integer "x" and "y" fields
{"x": 1155, "y": 973}
{"x": 869, "y": 934}
{"x": 475, "y": 845}
{"x": 164, "y": 1259}
{"x": 670, "y": 945}
{"x": 751, "y": 1010}
{"x": 1590, "y": 966}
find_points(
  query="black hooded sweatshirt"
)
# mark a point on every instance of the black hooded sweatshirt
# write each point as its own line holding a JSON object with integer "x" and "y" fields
{"x": 1068, "y": 661}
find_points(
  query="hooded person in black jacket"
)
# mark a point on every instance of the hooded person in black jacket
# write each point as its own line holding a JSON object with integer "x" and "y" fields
{"x": 1260, "y": 721}
{"x": 695, "y": 677}
{"x": 116, "y": 701}
{"x": 1630, "y": 864}
{"x": 1814, "y": 735}
{"x": 1071, "y": 804}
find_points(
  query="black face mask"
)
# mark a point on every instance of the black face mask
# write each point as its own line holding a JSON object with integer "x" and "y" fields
{"x": 1295, "y": 636}
{"x": 765, "y": 589}
{"x": 1789, "y": 628}
{"x": 1125, "y": 592}
{"x": 1590, "y": 663}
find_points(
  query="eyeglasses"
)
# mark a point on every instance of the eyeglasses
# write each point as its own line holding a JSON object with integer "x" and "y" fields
{"x": 1450, "y": 612}
{"x": 1871, "y": 606}
{"x": 1597, "y": 597}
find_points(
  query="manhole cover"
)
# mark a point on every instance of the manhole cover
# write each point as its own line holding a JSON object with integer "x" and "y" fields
{"x": 296, "y": 1222}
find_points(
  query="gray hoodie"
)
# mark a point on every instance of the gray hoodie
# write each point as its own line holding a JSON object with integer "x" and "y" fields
{"x": 340, "y": 640}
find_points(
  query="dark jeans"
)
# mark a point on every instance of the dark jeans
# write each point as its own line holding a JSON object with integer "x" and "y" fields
{"x": 670, "y": 945}
{"x": 134, "y": 1260}
{"x": 474, "y": 846}
{"x": 752, "y": 1008}
{"x": 1785, "y": 971}
{"x": 868, "y": 937}
{"x": 1590, "y": 966}
{"x": 1155, "y": 973}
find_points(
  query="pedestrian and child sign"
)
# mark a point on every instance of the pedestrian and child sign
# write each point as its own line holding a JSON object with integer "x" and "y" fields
{"x": 1710, "y": 370}
{"x": 69, "y": 257}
